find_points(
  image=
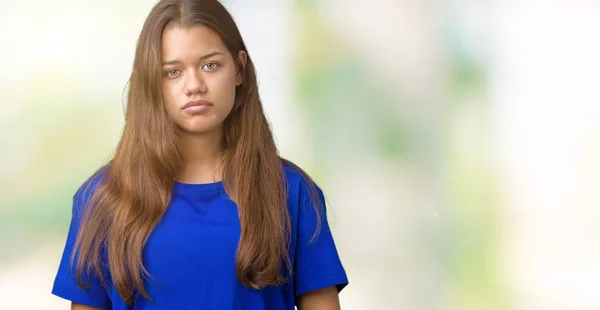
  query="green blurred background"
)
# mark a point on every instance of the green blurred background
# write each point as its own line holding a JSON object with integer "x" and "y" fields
{"x": 457, "y": 142}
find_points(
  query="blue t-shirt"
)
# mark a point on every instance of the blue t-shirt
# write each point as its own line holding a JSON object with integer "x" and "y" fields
{"x": 190, "y": 255}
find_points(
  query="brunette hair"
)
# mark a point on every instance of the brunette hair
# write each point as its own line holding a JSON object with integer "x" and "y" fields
{"x": 135, "y": 187}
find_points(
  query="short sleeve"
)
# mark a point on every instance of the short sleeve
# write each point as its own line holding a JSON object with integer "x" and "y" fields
{"x": 65, "y": 283}
{"x": 317, "y": 264}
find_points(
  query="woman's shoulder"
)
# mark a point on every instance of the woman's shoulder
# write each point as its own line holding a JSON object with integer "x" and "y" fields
{"x": 295, "y": 175}
{"x": 84, "y": 193}
{"x": 301, "y": 187}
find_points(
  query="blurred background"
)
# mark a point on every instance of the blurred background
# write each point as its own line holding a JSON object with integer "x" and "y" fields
{"x": 457, "y": 142}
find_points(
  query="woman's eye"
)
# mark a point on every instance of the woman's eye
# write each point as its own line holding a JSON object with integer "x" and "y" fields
{"x": 173, "y": 72}
{"x": 211, "y": 66}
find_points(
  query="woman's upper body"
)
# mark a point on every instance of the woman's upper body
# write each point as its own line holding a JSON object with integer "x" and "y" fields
{"x": 190, "y": 255}
{"x": 197, "y": 210}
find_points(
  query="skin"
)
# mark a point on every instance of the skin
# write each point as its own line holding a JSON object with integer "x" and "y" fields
{"x": 197, "y": 66}
{"x": 323, "y": 299}
{"x": 76, "y": 306}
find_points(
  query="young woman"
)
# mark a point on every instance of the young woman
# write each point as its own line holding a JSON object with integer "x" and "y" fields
{"x": 196, "y": 210}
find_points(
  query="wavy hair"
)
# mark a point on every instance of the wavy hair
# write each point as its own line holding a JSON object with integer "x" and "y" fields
{"x": 135, "y": 187}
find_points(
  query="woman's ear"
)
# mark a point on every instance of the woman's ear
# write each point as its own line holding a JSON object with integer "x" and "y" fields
{"x": 242, "y": 59}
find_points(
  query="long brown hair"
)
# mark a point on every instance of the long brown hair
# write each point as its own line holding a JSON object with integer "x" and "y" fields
{"x": 135, "y": 187}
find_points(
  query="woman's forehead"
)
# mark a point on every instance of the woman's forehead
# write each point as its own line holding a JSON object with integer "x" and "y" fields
{"x": 193, "y": 41}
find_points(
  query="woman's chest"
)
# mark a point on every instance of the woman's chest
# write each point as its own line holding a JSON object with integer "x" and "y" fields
{"x": 197, "y": 237}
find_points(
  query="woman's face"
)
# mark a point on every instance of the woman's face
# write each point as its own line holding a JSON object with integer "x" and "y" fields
{"x": 199, "y": 78}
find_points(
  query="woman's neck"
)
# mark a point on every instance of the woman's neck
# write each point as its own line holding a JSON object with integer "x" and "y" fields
{"x": 202, "y": 157}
